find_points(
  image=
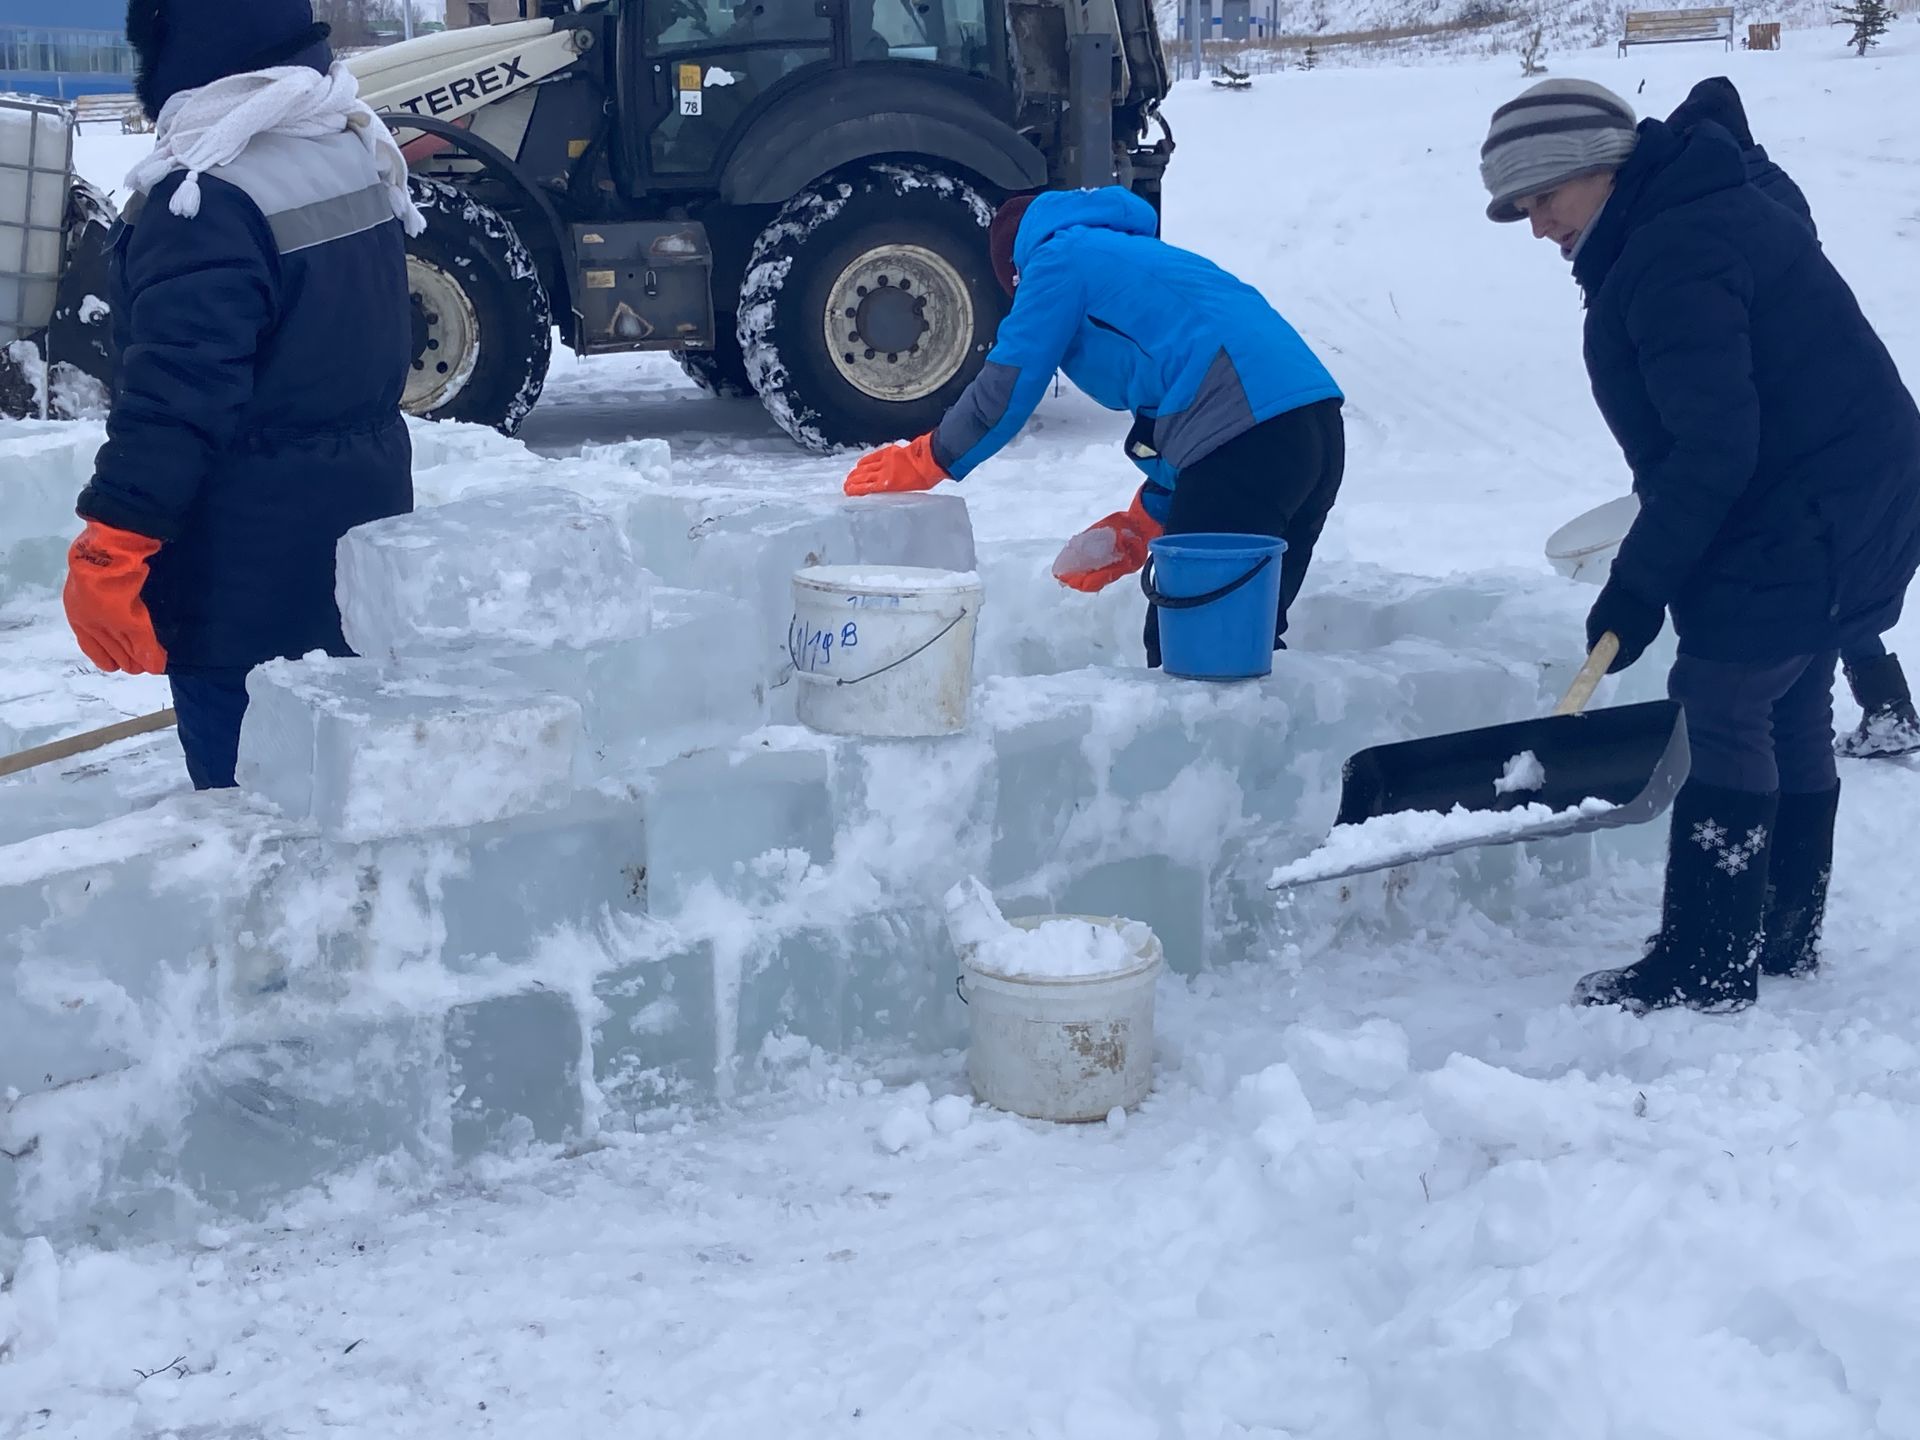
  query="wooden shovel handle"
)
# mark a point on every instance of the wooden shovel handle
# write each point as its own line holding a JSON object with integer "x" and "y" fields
{"x": 79, "y": 744}
{"x": 1591, "y": 673}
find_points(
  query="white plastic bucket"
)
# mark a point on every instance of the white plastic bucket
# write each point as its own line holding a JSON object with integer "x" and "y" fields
{"x": 1067, "y": 1049}
{"x": 1584, "y": 547}
{"x": 883, "y": 652}
{"x": 36, "y": 151}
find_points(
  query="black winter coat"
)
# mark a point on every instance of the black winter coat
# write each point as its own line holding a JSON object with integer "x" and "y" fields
{"x": 264, "y": 344}
{"x": 1715, "y": 101}
{"x": 1774, "y": 449}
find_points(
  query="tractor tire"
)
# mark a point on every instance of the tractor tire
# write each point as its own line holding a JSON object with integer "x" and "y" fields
{"x": 869, "y": 304}
{"x": 482, "y": 324}
{"x": 721, "y": 371}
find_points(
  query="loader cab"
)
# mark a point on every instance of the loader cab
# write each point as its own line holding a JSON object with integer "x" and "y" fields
{"x": 697, "y": 74}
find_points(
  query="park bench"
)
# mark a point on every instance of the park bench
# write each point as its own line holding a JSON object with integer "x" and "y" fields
{"x": 1671, "y": 27}
{"x": 122, "y": 110}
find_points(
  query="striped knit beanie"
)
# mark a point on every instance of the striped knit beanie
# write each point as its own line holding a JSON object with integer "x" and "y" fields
{"x": 1555, "y": 132}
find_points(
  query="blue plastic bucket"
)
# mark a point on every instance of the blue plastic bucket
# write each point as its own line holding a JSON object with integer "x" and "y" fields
{"x": 1218, "y": 598}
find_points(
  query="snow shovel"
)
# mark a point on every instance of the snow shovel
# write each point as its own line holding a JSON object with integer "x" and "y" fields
{"x": 1531, "y": 780}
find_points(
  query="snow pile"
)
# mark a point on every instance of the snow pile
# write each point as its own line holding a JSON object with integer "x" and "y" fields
{"x": 1060, "y": 948}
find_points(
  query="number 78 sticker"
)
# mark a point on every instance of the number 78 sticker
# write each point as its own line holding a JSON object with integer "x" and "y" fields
{"x": 690, "y": 102}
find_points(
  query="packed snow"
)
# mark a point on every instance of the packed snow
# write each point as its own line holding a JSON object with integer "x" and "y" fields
{"x": 1522, "y": 774}
{"x": 1388, "y": 1183}
{"x": 1383, "y": 841}
{"x": 1056, "y": 948}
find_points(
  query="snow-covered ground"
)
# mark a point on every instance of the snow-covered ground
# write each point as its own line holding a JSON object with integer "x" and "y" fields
{"x": 1388, "y": 1185}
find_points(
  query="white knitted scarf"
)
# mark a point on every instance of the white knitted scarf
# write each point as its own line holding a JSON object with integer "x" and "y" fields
{"x": 200, "y": 129}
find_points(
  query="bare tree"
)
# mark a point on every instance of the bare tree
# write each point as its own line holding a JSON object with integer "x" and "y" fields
{"x": 1530, "y": 54}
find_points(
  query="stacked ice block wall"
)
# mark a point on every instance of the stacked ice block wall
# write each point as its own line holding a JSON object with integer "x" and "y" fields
{"x": 546, "y": 856}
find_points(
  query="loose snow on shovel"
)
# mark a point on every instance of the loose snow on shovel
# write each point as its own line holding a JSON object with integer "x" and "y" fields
{"x": 1409, "y": 835}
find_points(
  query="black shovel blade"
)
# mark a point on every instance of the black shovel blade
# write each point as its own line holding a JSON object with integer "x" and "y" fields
{"x": 1614, "y": 755}
{"x": 1633, "y": 757}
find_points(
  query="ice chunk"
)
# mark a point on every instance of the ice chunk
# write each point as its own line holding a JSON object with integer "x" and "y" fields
{"x": 930, "y": 532}
{"x": 656, "y": 1041}
{"x": 712, "y": 816}
{"x": 749, "y": 545}
{"x": 150, "y": 1152}
{"x": 36, "y": 714}
{"x": 512, "y": 884}
{"x": 514, "y": 1072}
{"x": 364, "y": 755}
{"x": 696, "y": 679}
{"x": 273, "y": 1117}
{"x": 900, "y": 969}
{"x": 47, "y": 465}
{"x": 537, "y": 564}
{"x": 882, "y": 978}
{"x": 650, "y": 460}
{"x": 108, "y": 937}
{"x": 794, "y": 986}
{"x": 1080, "y": 630}
{"x": 1089, "y": 550}
{"x": 1041, "y": 776}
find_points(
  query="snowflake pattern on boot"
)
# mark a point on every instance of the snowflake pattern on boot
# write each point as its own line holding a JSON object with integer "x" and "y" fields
{"x": 1713, "y": 837}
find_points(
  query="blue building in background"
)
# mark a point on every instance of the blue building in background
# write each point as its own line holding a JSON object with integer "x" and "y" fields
{"x": 65, "y": 48}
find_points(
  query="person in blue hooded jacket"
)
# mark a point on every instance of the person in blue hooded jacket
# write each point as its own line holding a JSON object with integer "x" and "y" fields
{"x": 261, "y": 317}
{"x": 1889, "y": 725}
{"x": 1237, "y": 424}
{"x": 1775, "y": 450}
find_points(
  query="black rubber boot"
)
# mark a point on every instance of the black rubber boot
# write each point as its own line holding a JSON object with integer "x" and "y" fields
{"x": 1888, "y": 725}
{"x": 1797, "y": 873}
{"x": 1707, "y": 953}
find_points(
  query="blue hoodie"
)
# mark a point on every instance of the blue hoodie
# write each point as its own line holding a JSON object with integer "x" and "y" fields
{"x": 1140, "y": 326}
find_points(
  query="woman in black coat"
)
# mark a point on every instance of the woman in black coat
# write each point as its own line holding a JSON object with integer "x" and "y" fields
{"x": 1889, "y": 726}
{"x": 1776, "y": 455}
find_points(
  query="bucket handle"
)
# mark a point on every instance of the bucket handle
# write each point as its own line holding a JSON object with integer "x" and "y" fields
{"x": 1194, "y": 602}
{"x": 960, "y": 989}
{"x": 839, "y": 680}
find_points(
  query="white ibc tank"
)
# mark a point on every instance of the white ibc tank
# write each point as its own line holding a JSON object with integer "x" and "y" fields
{"x": 36, "y": 160}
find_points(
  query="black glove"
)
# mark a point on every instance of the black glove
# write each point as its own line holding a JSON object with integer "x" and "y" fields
{"x": 1636, "y": 621}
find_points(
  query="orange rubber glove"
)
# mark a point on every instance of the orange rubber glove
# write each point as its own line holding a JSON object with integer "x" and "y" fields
{"x": 1107, "y": 549}
{"x": 105, "y": 570}
{"x": 896, "y": 469}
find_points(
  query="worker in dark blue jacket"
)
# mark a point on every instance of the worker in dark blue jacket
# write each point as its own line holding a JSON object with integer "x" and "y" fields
{"x": 1889, "y": 726}
{"x": 1776, "y": 454}
{"x": 261, "y": 313}
{"x": 1237, "y": 425}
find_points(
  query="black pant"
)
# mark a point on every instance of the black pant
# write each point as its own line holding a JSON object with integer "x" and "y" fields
{"x": 1759, "y": 727}
{"x": 1280, "y": 478}
{"x": 210, "y": 703}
